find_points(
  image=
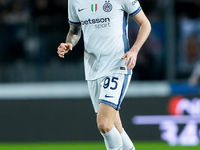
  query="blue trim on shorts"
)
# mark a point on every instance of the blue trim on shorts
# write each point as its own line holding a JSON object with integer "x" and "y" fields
{"x": 108, "y": 103}
{"x": 123, "y": 90}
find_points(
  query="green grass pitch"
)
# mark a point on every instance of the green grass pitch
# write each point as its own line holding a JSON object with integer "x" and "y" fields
{"x": 89, "y": 146}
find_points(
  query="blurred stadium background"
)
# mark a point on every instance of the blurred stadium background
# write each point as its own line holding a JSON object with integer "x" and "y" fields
{"x": 44, "y": 98}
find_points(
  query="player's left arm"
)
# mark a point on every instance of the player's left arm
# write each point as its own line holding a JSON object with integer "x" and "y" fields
{"x": 144, "y": 31}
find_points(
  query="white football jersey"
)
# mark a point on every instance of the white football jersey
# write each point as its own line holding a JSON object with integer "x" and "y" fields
{"x": 104, "y": 26}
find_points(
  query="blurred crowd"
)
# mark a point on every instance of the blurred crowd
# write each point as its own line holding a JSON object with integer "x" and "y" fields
{"x": 30, "y": 31}
{"x": 188, "y": 54}
{"x": 26, "y": 23}
{"x": 44, "y": 12}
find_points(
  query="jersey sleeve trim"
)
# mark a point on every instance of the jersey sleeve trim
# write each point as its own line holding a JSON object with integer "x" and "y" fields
{"x": 74, "y": 23}
{"x": 136, "y": 12}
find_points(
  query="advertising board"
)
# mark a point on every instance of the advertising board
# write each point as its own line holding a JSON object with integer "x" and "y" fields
{"x": 177, "y": 119}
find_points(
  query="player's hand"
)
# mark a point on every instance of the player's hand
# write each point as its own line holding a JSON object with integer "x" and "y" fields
{"x": 64, "y": 48}
{"x": 131, "y": 57}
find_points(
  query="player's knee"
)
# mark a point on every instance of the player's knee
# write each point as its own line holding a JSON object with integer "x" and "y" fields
{"x": 104, "y": 127}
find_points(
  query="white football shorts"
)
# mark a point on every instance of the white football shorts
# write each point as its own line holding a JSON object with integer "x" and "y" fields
{"x": 109, "y": 90}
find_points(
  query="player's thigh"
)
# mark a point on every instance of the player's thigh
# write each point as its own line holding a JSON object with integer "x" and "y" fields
{"x": 106, "y": 113}
{"x": 106, "y": 117}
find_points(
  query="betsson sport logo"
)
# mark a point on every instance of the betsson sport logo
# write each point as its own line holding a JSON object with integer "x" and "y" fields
{"x": 99, "y": 22}
{"x": 182, "y": 111}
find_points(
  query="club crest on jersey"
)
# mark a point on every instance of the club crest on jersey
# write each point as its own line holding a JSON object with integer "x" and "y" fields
{"x": 134, "y": 2}
{"x": 107, "y": 7}
{"x": 94, "y": 8}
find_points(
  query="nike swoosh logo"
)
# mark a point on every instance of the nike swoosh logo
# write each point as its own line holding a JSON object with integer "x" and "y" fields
{"x": 107, "y": 96}
{"x": 81, "y": 9}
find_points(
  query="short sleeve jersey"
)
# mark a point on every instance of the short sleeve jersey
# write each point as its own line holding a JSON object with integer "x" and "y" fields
{"x": 104, "y": 26}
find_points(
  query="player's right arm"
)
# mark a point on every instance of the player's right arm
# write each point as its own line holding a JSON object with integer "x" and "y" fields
{"x": 72, "y": 39}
